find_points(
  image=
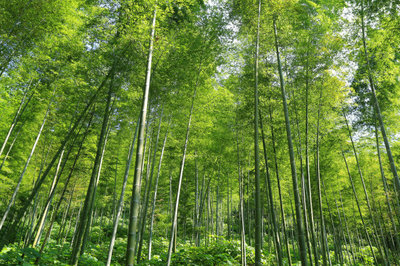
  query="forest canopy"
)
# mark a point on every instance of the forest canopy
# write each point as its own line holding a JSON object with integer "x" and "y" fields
{"x": 199, "y": 132}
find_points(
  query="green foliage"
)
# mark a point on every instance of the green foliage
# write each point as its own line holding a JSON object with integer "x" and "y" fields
{"x": 71, "y": 46}
{"x": 218, "y": 252}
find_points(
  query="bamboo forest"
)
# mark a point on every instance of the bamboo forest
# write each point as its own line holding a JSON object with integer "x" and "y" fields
{"x": 199, "y": 132}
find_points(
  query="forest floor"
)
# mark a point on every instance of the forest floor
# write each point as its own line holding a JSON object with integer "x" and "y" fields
{"x": 212, "y": 251}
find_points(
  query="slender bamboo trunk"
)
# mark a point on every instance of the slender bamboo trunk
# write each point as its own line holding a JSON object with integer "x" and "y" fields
{"x": 83, "y": 226}
{"x": 305, "y": 188}
{"x": 31, "y": 222}
{"x": 114, "y": 206}
{"x": 175, "y": 218}
{"x": 65, "y": 233}
{"x": 35, "y": 204}
{"x": 134, "y": 209}
{"x": 228, "y": 208}
{"x": 258, "y": 216}
{"x": 271, "y": 199}
{"x": 293, "y": 229}
{"x": 279, "y": 190}
{"x": 155, "y": 196}
{"x": 121, "y": 197}
{"x": 48, "y": 204}
{"x": 217, "y": 207}
{"x": 143, "y": 225}
{"x": 207, "y": 227}
{"x": 336, "y": 236}
{"x": 374, "y": 234}
{"x": 170, "y": 208}
{"x": 203, "y": 200}
{"x": 212, "y": 213}
{"x": 325, "y": 249}
{"x": 76, "y": 225}
{"x": 65, "y": 189}
{"x": 54, "y": 218}
{"x": 11, "y": 145}
{"x": 14, "y": 195}
{"x": 59, "y": 170}
{"x": 302, "y": 243}
{"x": 385, "y": 248}
{"x": 142, "y": 214}
{"x": 341, "y": 231}
{"x": 385, "y": 187}
{"x": 64, "y": 219}
{"x": 196, "y": 198}
{"x": 21, "y": 108}
{"x": 347, "y": 230}
{"x": 241, "y": 203}
{"x": 243, "y": 232}
{"x": 88, "y": 226}
{"x": 308, "y": 192}
{"x": 376, "y": 103}
{"x": 248, "y": 211}
{"x": 359, "y": 210}
{"x": 200, "y": 218}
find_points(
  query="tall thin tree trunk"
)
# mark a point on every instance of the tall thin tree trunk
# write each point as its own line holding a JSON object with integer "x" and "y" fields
{"x": 63, "y": 225}
{"x": 241, "y": 212}
{"x": 146, "y": 191}
{"x": 48, "y": 204}
{"x": 248, "y": 211}
{"x": 376, "y": 103}
{"x": 32, "y": 222}
{"x": 300, "y": 232}
{"x": 155, "y": 196}
{"x": 121, "y": 197}
{"x": 11, "y": 146}
{"x": 258, "y": 215}
{"x": 114, "y": 206}
{"x": 308, "y": 191}
{"x": 305, "y": 188}
{"x": 175, "y": 217}
{"x": 134, "y": 209}
{"x": 170, "y": 207}
{"x": 279, "y": 190}
{"x": 14, "y": 195}
{"x": 200, "y": 218}
{"x": 143, "y": 225}
{"x": 196, "y": 198}
{"x": 228, "y": 208}
{"x": 242, "y": 222}
{"x": 336, "y": 236}
{"x": 65, "y": 189}
{"x": 217, "y": 207}
{"x": 385, "y": 187}
{"x": 374, "y": 234}
{"x": 78, "y": 245}
{"x": 54, "y": 218}
{"x": 76, "y": 225}
{"x": 271, "y": 199}
{"x": 18, "y": 113}
{"x": 343, "y": 233}
{"x": 359, "y": 210}
{"x": 325, "y": 249}
{"x": 89, "y": 222}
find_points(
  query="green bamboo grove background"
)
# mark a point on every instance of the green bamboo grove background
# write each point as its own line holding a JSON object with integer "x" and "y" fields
{"x": 194, "y": 132}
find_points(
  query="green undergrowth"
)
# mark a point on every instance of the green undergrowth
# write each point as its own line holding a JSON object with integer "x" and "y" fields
{"x": 218, "y": 251}
{"x": 215, "y": 251}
